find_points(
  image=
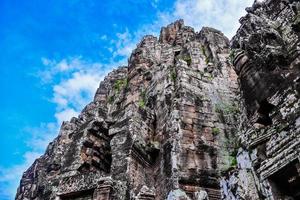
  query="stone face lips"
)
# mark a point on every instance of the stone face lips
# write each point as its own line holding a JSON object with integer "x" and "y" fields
{"x": 161, "y": 127}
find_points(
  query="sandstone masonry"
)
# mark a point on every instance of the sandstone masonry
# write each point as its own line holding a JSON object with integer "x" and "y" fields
{"x": 193, "y": 116}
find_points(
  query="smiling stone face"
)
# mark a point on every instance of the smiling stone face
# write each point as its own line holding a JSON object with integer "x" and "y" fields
{"x": 265, "y": 53}
{"x": 266, "y": 57}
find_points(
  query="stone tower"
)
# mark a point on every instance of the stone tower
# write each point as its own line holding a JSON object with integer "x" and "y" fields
{"x": 161, "y": 127}
{"x": 193, "y": 116}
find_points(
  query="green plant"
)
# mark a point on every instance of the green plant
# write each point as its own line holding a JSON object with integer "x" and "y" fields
{"x": 188, "y": 60}
{"x": 234, "y": 151}
{"x": 173, "y": 75}
{"x": 210, "y": 77}
{"x": 226, "y": 108}
{"x": 119, "y": 84}
{"x": 232, "y": 55}
{"x": 110, "y": 99}
{"x": 218, "y": 108}
{"x": 126, "y": 82}
{"x": 206, "y": 60}
{"x": 141, "y": 103}
{"x": 233, "y": 161}
{"x": 205, "y": 55}
{"x": 142, "y": 100}
{"x": 203, "y": 51}
{"x": 215, "y": 131}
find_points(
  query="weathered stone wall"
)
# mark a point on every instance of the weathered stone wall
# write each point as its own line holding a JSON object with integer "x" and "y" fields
{"x": 161, "y": 127}
{"x": 266, "y": 58}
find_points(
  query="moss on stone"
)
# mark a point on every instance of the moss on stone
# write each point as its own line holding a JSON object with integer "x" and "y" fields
{"x": 215, "y": 131}
{"x": 205, "y": 55}
{"x": 142, "y": 100}
{"x": 226, "y": 108}
{"x": 232, "y": 55}
{"x": 209, "y": 77}
{"x": 173, "y": 75}
{"x": 187, "y": 58}
{"x": 233, "y": 161}
{"x": 111, "y": 99}
{"x": 119, "y": 84}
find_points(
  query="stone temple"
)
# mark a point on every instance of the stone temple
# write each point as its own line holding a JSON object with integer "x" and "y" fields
{"x": 193, "y": 116}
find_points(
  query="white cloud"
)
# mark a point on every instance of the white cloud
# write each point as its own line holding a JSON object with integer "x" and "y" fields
{"x": 77, "y": 87}
{"x": 39, "y": 140}
{"x": 76, "y": 91}
{"x": 155, "y": 3}
{"x": 222, "y": 14}
{"x": 124, "y": 44}
{"x": 10, "y": 177}
{"x": 62, "y": 67}
{"x": 103, "y": 37}
{"x": 41, "y": 136}
{"x": 76, "y": 81}
{"x": 66, "y": 115}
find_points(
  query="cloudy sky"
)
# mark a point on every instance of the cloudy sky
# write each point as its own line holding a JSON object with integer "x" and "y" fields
{"x": 54, "y": 53}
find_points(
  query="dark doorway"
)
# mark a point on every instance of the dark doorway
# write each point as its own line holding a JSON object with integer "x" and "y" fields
{"x": 264, "y": 110}
{"x": 286, "y": 182}
{"x": 82, "y": 195}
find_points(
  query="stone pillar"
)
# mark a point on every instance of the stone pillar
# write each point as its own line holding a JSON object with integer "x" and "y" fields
{"x": 103, "y": 191}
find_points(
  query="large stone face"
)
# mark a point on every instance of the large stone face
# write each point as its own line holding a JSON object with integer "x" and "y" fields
{"x": 161, "y": 127}
{"x": 266, "y": 58}
{"x": 180, "y": 122}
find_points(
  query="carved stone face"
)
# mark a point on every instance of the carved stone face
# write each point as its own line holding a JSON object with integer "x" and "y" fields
{"x": 265, "y": 56}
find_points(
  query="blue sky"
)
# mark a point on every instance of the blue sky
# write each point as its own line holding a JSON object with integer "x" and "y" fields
{"x": 55, "y": 53}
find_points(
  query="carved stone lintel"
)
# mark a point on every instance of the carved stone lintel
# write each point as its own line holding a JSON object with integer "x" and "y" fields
{"x": 104, "y": 190}
{"x": 146, "y": 194}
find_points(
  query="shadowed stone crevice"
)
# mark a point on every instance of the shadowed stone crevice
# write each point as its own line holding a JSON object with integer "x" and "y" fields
{"x": 286, "y": 182}
{"x": 83, "y": 195}
{"x": 264, "y": 111}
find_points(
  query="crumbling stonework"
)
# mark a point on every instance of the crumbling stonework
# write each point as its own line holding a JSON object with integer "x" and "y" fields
{"x": 173, "y": 125}
{"x": 158, "y": 128}
{"x": 265, "y": 54}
